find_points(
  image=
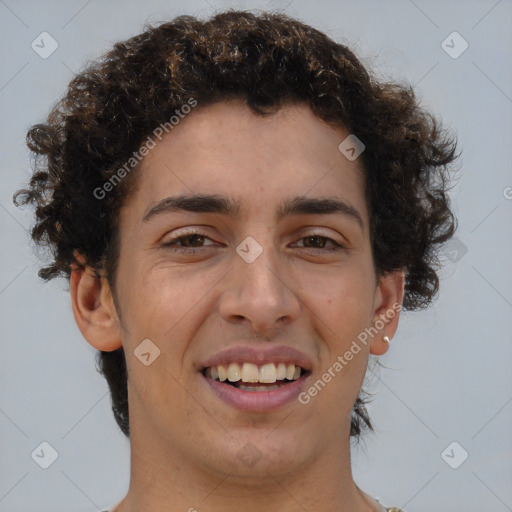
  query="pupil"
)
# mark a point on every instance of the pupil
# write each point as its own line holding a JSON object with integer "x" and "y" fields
{"x": 196, "y": 238}
{"x": 313, "y": 238}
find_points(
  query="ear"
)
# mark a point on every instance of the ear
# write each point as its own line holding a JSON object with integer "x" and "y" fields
{"x": 93, "y": 307}
{"x": 388, "y": 303}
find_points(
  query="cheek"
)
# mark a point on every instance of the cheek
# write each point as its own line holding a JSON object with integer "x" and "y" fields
{"x": 342, "y": 297}
{"x": 342, "y": 306}
{"x": 161, "y": 305}
{"x": 162, "y": 301}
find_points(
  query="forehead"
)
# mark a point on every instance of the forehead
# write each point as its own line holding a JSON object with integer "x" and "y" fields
{"x": 227, "y": 149}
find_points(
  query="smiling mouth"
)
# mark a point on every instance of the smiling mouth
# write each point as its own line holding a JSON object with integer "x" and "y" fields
{"x": 252, "y": 377}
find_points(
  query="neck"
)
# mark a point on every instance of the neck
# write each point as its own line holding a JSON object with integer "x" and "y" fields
{"x": 165, "y": 480}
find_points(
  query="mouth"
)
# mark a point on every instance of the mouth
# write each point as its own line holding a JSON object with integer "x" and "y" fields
{"x": 253, "y": 377}
{"x": 256, "y": 388}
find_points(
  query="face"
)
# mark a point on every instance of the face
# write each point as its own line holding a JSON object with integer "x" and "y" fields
{"x": 261, "y": 269}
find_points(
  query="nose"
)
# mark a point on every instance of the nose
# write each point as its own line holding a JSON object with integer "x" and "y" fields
{"x": 260, "y": 294}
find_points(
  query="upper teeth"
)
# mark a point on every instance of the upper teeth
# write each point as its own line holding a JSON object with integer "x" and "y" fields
{"x": 249, "y": 372}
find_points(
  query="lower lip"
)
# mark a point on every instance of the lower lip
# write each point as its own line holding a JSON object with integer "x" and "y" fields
{"x": 257, "y": 401}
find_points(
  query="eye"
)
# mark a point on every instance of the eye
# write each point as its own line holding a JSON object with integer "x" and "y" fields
{"x": 195, "y": 241}
{"x": 188, "y": 243}
{"x": 320, "y": 242}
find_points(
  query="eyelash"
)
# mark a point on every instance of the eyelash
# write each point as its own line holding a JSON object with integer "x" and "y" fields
{"x": 336, "y": 246}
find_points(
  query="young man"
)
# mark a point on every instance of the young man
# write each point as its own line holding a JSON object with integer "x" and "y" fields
{"x": 242, "y": 211}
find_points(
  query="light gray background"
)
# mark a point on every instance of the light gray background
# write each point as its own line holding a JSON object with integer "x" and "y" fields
{"x": 448, "y": 372}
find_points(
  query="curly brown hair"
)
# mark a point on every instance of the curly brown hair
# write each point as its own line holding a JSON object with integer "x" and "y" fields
{"x": 266, "y": 60}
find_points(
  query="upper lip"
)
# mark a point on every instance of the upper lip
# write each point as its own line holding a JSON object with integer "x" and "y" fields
{"x": 259, "y": 356}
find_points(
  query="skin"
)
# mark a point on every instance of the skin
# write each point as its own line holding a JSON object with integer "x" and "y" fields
{"x": 185, "y": 440}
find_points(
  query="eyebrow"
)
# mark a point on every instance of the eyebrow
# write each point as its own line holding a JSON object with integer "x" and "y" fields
{"x": 223, "y": 205}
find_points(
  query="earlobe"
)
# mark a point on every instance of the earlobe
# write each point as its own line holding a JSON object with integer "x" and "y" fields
{"x": 94, "y": 309}
{"x": 388, "y": 304}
